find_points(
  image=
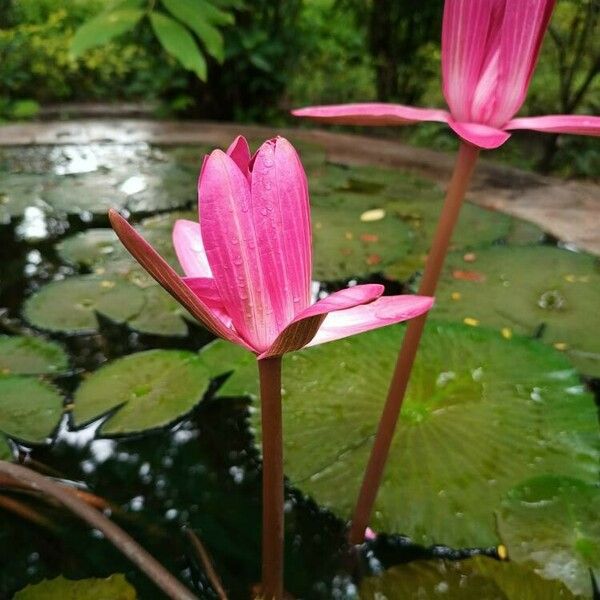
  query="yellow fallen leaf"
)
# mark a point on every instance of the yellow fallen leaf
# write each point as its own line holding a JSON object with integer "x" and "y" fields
{"x": 375, "y": 214}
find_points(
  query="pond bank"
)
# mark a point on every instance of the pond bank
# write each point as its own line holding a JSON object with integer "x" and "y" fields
{"x": 569, "y": 210}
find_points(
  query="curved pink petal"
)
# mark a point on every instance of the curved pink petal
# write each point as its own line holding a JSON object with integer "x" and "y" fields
{"x": 482, "y": 136}
{"x": 189, "y": 248}
{"x": 375, "y": 113}
{"x": 206, "y": 291}
{"x": 281, "y": 216}
{"x": 234, "y": 255}
{"x": 164, "y": 274}
{"x": 523, "y": 27}
{"x": 577, "y": 124}
{"x": 470, "y": 33}
{"x": 383, "y": 311}
{"x": 240, "y": 154}
{"x": 305, "y": 325}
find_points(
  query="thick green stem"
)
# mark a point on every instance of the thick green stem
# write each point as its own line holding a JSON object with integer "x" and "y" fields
{"x": 272, "y": 445}
{"x": 463, "y": 170}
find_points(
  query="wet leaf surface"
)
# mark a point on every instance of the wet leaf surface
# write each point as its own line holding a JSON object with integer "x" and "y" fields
{"x": 114, "y": 587}
{"x": 27, "y": 355}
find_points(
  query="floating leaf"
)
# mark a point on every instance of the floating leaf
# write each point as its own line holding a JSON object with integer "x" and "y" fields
{"x": 93, "y": 247}
{"x": 29, "y": 408}
{"x": 115, "y": 587}
{"x": 70, "y": 305}
{"x": 345, "y": 246}
{"x": 478, "y": 578}
{"x": 537, "y": 290}
{"x": 5, "y": 451}
{"x": 161, "y": 314}
{"x": 481, "y": 414}
{"x": 153, "y": 388}
{"x": 21, "y": 355}
{"x": 552, "y": 523}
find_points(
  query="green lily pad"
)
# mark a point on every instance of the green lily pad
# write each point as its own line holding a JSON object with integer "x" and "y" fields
{"x": 552, "y": 523}
{"x": 5, "y": 451}
{"x": 161, "y": 314}
{"x": 153, "y": 388}
{"x": 70, "y": 305}
{"x": 481, "y": 414}
{"x": 17, "y": 192}
{"x": 478, "y": 578}
{"x": 91, "y": 248}
{"x": 115, "y": 587}
{"x": 524, "y": 289}
{"x": 21, "y": 355}
{"x": 345, "y": 245}
{"x": 29, "y": 408}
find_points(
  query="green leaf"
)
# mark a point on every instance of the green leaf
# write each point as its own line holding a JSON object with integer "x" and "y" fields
{"x": 189, "y": 12}
{"x": 103, "y": 28}
{"x": 153, "y": 389}
{"x": 178, "y": 42}
{"x": 29, "y": 408}
{"x": 161, "y": 314}
{"x": 21, "y": 355}
{"x": 478, "y": 578}
{"x": 214, "y": 14}
{"x": 115, "y": 587}
{"x": 529, "y": 290}
{"x": 482, "y": 413}
{"x": 70, "y": 305}
{"x": 552, "y": 523}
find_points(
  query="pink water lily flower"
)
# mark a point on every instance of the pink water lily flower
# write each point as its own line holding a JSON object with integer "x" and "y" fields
{"x": 489, "y": 52}
{"x": 248, "y": 260}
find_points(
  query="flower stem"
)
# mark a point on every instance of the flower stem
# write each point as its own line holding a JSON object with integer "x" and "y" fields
{"x": 463, "y": 170}
{"x": 269, "y": 370}
{"x": 126, "y": 544}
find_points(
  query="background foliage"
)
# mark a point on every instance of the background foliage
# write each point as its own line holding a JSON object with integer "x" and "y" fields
{"x": 252, "y": 61}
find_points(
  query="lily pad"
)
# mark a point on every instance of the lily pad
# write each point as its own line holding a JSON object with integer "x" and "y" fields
{"x": 152, "y": 388}
{"x": 17, "y": 192}
{"x": 70, "y": 305}
{"x": 552, "y": 523}
{"x": 91, "y": 248}
{"x": 161, "y": 314}
{"x": 115, "y": 587}
{"x": 346, "y": 245}
{"x": 21, "y": 355}
{"x": 29, "y": 408}
{"x": 481, "y": 414}
{"x": 5, "y": 451}
{"x": 538, "y": 290}
{"x": 478, "y": 578}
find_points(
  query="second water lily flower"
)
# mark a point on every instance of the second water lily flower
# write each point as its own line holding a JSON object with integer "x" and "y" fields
{"x": 248, "y": 260}
{"x": 489, "y": 52}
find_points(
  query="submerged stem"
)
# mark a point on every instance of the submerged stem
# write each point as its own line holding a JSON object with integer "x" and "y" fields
{"x": 269, "y": 370}
{"x": 463, "y": 170}
{"x": 125, "y": 543}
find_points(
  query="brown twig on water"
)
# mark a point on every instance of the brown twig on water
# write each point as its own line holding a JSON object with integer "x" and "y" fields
{"x": 207, "y": 564}
{"x": 172, "y": 587}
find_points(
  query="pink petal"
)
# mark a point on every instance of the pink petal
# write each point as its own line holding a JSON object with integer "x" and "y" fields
{"x": 162, "y": 272}
{"x": 469, "y": 36}
{"x": 206, "y": 291}
{"x": 234, "y": 255}
{"x": 482, "y": 136}
{"x": 523, "y": 27}
{"x": 577, "y": 124}
{"x": 370, "y": 535}
{"x": 190, "y": 249}
{"x": 281, "y": 216}
{"x": 305, "y": 325}
{"x": 383, "y": 311}
{"x": 372, "y": 114}
{"x": 240, "y": 154}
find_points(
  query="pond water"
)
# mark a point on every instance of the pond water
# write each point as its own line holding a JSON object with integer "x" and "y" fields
{"x": 161, "y": 467}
